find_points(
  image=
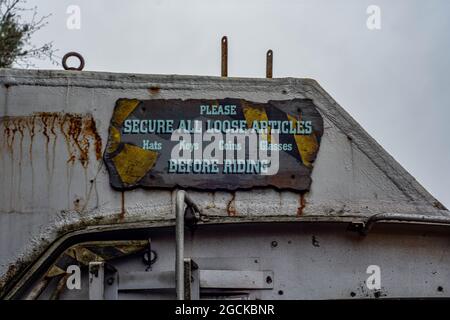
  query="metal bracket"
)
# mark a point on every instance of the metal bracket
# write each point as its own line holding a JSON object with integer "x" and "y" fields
{"x": 196, "y": 278}
{"x": 96, "y": 280}
{"x": 357, "y": 227}
{"x": 103, "y": 281}
{"x": 191, "y": 280}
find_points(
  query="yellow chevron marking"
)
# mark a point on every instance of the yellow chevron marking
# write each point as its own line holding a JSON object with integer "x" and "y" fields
{"x": 132, "y": 163}
{"x": 123, "y": 109}
{"x": 54, "y": 271}
{"x": 131, "y": 246}
{"x": 307, "y": 144}
{"x": 252, "y": 114}
{"x": 113, "y": 140}
{"x": 83, "y": 255}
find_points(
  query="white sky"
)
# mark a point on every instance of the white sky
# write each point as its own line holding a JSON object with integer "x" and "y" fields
{"x": 395, "y": 81}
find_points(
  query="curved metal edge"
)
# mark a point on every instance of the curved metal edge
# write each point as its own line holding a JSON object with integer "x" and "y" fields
{"x": 403, "y": 217}
{"x": 363, "y": 225}
{"x": 20, "y": 277}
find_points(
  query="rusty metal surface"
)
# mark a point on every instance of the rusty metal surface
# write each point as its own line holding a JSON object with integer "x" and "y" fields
{"x": 224, "y": 56}
{"x": 269, "y": 64}
{"x": 131, "y": 163}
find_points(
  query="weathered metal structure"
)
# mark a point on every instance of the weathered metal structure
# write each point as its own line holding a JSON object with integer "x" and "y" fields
{"x": 57, "y": 207}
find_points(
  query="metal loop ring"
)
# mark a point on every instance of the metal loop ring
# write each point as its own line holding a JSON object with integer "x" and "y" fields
{"x": 150, "y": 259}
{"x": 73, "y": 54}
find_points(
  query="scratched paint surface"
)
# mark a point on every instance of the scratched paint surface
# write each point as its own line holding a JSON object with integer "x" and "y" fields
{"x": 132, "y": 164}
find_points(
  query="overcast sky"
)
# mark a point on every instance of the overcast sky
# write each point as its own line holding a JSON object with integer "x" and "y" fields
{"x": 395, "y": 81}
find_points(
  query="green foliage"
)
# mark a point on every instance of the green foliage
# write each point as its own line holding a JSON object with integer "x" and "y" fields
{"x": 15, "y": 35}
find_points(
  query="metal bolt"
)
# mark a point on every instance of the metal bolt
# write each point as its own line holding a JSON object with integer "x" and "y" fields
{"x": 269, "y": 279}
{"x": 274, "y": 244}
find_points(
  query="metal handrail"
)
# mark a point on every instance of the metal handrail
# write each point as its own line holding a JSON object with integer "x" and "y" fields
{"x": 182, "y": 198}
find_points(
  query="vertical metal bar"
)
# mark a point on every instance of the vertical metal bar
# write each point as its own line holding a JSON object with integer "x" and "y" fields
{"x": 96, "y": 281}
{"x": 269, "y": 64}
{"x": 187, "y": 279}
{"x": 195, "y": 283}
{"x": 191, "y": 280}
{"x": 111, "y": 286}
{"x": 179, "y": 258}
{"x": 224, "y": 42}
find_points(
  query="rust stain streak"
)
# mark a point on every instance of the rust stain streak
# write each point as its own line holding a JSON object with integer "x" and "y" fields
{"x": 30, "y": 125}
{"x": 90, "y": 130}
{"x": 231, "y": 207}
{"x": 154, "y": 90}
{"x": 302, "y": 204}
{"x": 123, "y": 211}
{"x": 79, "y": 132}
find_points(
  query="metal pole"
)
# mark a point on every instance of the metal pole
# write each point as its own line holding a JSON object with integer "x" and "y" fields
{"x": 269, "y": 64}
{"x": 224, "y": 42}
{"x": 179, "y": 258}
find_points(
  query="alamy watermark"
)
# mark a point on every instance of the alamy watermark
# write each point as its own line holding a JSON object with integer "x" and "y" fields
{"x": 374, "y": 19}
{"x": 73, "y": 21}
{"x": 373, "y": 282}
